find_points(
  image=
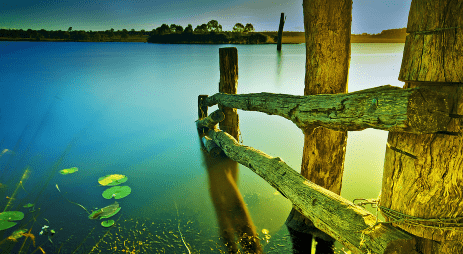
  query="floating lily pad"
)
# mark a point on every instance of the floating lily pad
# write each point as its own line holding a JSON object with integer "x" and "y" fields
{"x": 68, "y": 171}
{"x": 117, "y": 192}
{"x": 6, "y": 219}
{"x": 18, "y": 233}
{"x": 111, "y": 214}
{"x": 28, "y": 205}
{"x": 112, "y": 180}
{"x": 105, "y": 212}
{"x": 107, "y": 223}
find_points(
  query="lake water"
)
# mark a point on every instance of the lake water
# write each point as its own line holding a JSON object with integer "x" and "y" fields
{"x": 129, "y": 108}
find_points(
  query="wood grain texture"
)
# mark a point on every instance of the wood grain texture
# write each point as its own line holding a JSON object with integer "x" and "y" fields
{"x": 329, "y": 212}
{"x": 417, "y": 110}
{"x": 434, "y": 47}
{"x": 431, "y": 185}
{"x": 327, "y": 26}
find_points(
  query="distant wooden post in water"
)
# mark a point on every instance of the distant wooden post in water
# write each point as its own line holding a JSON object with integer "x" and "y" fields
{"x": 327, "y": 27}
{"x": 280, "y": 30}
{"x": 430, "y": 186}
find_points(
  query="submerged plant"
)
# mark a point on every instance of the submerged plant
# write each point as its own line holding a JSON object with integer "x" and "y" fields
{"x": 68, "y": 171}
{"x": 105, "y": 212}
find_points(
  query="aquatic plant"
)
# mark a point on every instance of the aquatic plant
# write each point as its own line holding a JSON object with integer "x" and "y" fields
{"x": 6, "y": 219}
{"x": 28, "y": 205}
{"x": 68, "y": 171}
{"x": 105, "y": 212}
{"x": 107, "y": 223}
{"x": 10, "y": 201}
{"x": 112, "y": 180}
{"x": 117, "y": 192}
{"x": 70, "y": 200}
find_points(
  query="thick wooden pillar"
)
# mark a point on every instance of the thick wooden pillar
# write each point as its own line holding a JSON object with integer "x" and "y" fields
{"x": 327, "y": 27}
{"x": 430, "y": 186}
{"x": 280, "y": 31}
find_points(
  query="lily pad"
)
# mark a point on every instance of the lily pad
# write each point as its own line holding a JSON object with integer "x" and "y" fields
{"x": 107, "y": 223}
{"x": 112, "y": 180}
{"x": 28, "y": 205}
{"x": 117, "y": 192}
{"x": 6, "y": 219}
{"x": 68, "y": 171}
{"x": 105, "y": 212}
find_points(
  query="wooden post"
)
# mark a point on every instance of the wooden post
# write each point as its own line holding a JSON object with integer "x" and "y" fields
{"x": 232, "y": 214}
{"x": 229, "y": 84}
{"x": 327, "y": 27}
{"x": 280, "y": 31}
{"x": 431, "y": 185}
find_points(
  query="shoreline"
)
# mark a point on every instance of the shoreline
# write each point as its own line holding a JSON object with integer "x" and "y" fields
{"x": 285, "y": 41}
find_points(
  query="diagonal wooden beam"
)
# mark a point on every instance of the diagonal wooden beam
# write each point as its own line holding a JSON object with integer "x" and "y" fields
{"x": 415, "y": 110}
{"x": 349, "y": 224}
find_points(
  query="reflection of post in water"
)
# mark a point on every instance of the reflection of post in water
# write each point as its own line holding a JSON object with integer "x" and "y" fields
{"x": 279, "y": 64}
{"x": 232, "y": 215}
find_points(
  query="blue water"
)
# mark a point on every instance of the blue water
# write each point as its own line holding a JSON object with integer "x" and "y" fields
{"x": 129, "y": 108}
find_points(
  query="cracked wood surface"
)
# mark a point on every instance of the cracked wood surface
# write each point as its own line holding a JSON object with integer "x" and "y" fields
{"x": 416, "y": 110}
{"x": 433, "y": 47}
{"x": 430, "y": 186}
{"x": 331, "y": 213}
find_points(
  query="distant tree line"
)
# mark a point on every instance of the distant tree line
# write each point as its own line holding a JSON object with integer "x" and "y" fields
{"x": 70, "y": 35}
{"x": 390, "y": 33}
{"x": 206, "y": 33}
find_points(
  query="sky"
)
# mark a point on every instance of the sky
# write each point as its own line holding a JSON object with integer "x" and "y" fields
{"x": 368, "y": 16}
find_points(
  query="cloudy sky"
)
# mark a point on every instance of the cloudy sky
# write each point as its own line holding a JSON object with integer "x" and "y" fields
{"x": 368, "y": 16}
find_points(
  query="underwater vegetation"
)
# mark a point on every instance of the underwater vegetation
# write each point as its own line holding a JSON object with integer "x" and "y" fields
{"x": 26, "y": 201}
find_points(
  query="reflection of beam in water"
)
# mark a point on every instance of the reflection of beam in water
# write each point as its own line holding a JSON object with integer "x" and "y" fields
{"x": 279, "y": 64}
{"x": 232, "y": 214}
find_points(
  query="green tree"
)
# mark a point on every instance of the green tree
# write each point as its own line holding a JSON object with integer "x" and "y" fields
{"x": 175, "y": 28}
{"x": 70, "y": 29}
{"x": 189, "y": 29}
{"x": 201, "y": 29}
{"x": 239, "y": 28}
{"x": 213, "y": 26}
{"x": 249, "y": 28}
{"x": 142, "y": 32}
{"x": 163, "y": 29}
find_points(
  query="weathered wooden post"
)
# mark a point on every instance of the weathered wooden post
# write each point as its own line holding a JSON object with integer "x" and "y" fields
{"x": 280, "y": 31}
{"x": 430, "y": 186}
{"x": 229, "y": 84}
{"x": 327, "y": 27}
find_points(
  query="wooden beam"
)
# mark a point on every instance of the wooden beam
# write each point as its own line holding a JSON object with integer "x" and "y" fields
{"x": 416, "y": 110}
{"x": 211, "y": 120}
{"x": 336, "y": 216}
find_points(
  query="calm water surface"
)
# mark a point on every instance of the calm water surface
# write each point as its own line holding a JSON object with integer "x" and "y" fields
{"x": 129, "y": 108}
